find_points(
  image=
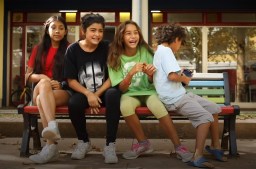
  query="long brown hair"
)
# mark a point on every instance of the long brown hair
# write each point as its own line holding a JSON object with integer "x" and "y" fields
{"x": 117, "y": 46}
{"x": 43, "y": 49}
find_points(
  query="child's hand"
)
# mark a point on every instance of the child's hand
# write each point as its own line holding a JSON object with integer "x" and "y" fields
{"x": 93, "y": 100}
{"x": 186, "y": 80}
{"x": 188, "y": 73}
{"x": 55, "y": 85}
{"x": 149, "y": 69}
{"x": 138, "y": 67}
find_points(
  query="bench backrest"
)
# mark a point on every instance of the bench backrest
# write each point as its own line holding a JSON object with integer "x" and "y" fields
{"x": 212, "y": 86}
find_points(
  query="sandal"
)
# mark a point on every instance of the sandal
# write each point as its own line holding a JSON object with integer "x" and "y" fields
{"x": 201, "y": 163}
{"x": 218, "y": 154}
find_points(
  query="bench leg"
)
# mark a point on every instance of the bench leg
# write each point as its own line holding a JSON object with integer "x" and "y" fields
{"x": 35, "y": 133}
{"x": 232, "y": 136}
{"x": 30, "y": 128}
{"x": 24, "y": 150}
{"x": 225, "y": 134}
{"x": 228, "y": 141}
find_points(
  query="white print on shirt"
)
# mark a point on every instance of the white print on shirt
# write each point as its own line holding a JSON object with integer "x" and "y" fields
{"x": 91, "y": 76}
{"x": 136, "y": 79}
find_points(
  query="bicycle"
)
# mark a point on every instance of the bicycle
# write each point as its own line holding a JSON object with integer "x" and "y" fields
{"x": 20, "y": 95}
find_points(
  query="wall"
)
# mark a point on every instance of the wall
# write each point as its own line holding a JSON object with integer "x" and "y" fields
{"x": 1, "y": 48}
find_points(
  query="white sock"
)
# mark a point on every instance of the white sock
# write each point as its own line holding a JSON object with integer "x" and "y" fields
{"x": 53, "y": 124}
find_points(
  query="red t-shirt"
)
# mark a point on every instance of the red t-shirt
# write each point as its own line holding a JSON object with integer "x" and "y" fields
{"x": 48, "y": 69}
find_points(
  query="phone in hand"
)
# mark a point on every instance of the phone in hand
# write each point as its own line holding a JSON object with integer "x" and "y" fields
{"x": 187, "y": 73}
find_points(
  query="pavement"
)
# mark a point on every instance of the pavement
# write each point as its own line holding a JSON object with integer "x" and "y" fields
{"x": 163, "y": 156}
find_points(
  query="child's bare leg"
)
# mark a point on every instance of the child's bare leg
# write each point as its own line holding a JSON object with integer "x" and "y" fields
{"x": 201, "y": 135}
{"x": 214, "y": 129}
{"x": 169, "y": 128}
{"x": 134, "y": 124}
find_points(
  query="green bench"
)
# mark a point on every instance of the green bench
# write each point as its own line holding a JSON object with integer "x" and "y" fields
{"x": 213, "y": 86}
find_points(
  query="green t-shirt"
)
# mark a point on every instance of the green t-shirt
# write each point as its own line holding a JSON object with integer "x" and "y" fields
{"x": 139, "y": 84}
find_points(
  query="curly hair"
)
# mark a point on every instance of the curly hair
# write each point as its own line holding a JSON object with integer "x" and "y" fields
{"x": 91, "y": 18}
{"x": 117, "y": 47}
{"x": 168, "y": 33}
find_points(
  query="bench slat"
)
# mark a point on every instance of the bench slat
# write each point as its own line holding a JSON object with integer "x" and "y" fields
{"x": 206, "y": 83}
{"x": 63, "y": 110}
{"x": 208, "y": 92}
{"x": 218, "y": 100}
{"x": 212, "y": 76}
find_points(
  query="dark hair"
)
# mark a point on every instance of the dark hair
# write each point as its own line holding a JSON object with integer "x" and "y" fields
{"x": 117, "y": 46}
{"x": 168, "y": 33}
{"x": 91, "y": 18}
{"x": 43, "y": 49}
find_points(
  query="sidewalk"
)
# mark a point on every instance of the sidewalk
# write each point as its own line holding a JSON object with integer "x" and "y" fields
{"x": 159, "y": 159}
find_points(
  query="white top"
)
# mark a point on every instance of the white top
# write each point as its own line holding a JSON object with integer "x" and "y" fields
{"x": 165, "y": 62}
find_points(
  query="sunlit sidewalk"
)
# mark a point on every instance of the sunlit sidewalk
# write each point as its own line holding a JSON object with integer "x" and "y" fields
{"x": 160, "y": 158}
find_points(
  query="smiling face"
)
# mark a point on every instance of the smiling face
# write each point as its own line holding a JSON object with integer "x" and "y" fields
{"x": 94, "y": 33}
{"x": 131, "y": 37}
{"x": 56, "y": 31}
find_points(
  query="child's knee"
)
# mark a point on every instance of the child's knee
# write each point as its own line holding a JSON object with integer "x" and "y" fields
{"x": 127, "y": 110}
{"x": 205, "y": 118}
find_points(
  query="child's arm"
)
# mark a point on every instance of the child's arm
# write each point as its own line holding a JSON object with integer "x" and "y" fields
{"x": 93, "y": 100}
{"x": 125, "y": 83}
{"x": 103, "y": 88}
{"x": 149, "y": 69}
{"x": 173, "y": 76}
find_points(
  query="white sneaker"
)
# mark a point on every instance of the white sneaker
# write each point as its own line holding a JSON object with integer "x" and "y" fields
{"x": 109, "y": 153}
{"x": 49, "y": 153}
{"x": 51, "y": 133}
{"x": 81, "y": 150}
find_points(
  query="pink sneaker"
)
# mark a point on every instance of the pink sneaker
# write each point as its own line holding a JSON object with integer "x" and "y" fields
{"x": 183, "y": 153}
{"x": 137, "y": 150}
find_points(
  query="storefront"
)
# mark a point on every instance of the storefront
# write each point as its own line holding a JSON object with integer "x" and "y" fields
{"x": 217, "y": 41}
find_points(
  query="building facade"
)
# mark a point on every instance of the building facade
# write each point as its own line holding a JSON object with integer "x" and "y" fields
{"x": 222, "y": 35}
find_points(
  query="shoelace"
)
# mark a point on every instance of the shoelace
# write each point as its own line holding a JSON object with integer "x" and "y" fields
{"x": 78, "y": 147}
{"x": 110, "y": 150}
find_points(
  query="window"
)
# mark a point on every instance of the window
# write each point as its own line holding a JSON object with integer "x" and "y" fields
{"x": 40, "y": 17}
{"x": 184, "y": 17}
{"x": 108, "y": 16}
{"x": 238, "y": 17}
{"x": 157, "y": 17}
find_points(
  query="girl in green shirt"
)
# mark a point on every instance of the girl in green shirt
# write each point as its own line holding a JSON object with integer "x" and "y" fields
{"x": 130, "y": 67}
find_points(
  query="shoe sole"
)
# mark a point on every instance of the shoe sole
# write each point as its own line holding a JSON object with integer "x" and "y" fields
{"x": 110, "y": 162}
{"x": 218, "y": 154}
{"x": 75, "y": 158}
{"x": 146, "y": 152}
{"x": 183, "y": 159}
{"x": 54, "y": 158}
